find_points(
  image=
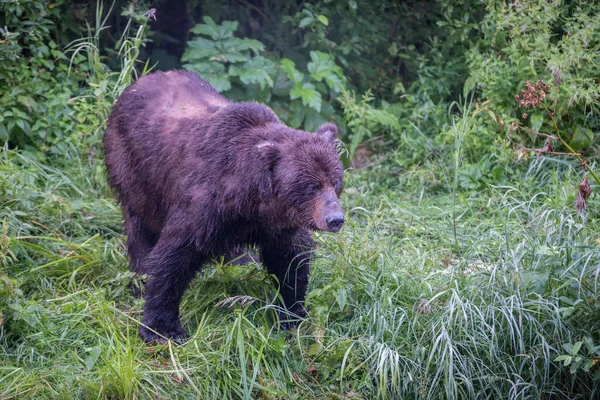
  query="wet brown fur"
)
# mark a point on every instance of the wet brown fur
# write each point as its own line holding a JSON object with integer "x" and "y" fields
{"x": 198, "y": 176}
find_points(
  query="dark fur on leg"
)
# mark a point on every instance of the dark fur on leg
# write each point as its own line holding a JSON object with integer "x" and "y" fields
{"x": 288, "y": 258}
{"x": 140, "y": 241}
{"x": 172, "y": 266}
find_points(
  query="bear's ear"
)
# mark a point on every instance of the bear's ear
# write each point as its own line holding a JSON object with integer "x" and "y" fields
{"x": 268, "y": 153}
{"x": 328, "y": 132}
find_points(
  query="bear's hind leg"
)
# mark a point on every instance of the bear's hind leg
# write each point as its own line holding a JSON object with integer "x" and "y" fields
{"x": 140, "y": 240}
{"x": 172, "y": 267}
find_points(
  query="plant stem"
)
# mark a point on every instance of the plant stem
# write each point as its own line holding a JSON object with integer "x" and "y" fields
{"x": 538, "y": 133}
{"x": 573, "y": 152}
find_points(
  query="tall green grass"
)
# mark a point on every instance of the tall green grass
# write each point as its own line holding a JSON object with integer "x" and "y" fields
{"x": 396, "y": 309}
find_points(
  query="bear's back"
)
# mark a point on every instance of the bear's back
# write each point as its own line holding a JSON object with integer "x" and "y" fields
{"x": 172, "y": 95}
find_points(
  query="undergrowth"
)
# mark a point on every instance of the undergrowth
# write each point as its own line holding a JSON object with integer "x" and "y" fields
{"x": 464, "y": 270}
{"x": 397, "y": 307}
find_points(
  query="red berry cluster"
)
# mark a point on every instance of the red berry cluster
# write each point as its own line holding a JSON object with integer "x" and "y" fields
{"x": 532, "y": 95}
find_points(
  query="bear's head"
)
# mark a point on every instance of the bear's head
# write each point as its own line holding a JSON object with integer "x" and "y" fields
{"x": 307, "y": 178}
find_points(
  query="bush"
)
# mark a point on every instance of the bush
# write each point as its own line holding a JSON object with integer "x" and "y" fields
{"x": 237, "y": 67}
{"x": 527, "y": 41}
{"x": 35, "y": 82}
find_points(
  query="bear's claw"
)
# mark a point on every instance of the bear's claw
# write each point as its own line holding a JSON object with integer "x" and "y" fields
{"x": 161, "y": 336}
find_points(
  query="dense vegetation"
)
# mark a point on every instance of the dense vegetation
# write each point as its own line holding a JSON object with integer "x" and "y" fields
{"x": 469, "y": 266}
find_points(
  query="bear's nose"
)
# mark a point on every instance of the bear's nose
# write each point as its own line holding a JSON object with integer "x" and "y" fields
{"x": 334, "y": 222}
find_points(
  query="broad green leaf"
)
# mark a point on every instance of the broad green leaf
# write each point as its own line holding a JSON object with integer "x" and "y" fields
{"x": 341, "y": 298}
{"x": 545, "y": 250}
{"x": 199, "y": 49}
{"x": 3, "y": 133}
{"x": 307, "y": 93}
{"x": 315, "y": 349}
{"x": 323, "y": 19}
{"x": 589, "y": 344}
{"x": 320, "y": 65}
{"x": 91, "y": 359}
{"x": 587, "y": 365}
{"x": 216, "y": 32}
{"x": 562, "y": 358}
{"x": 536, "y": 120}
{"x": 27, "y": 102}
{"x": 306, "y": 21}
{"x": 230, "y": 57}
{"x": 289, "y": 67}
{"x": 582, "y": 138}
{"x": 323, "y": 67}
{"x": 574, "y": 367}
{"x": 240, "y": 45}
{"x": 334, "y": 82}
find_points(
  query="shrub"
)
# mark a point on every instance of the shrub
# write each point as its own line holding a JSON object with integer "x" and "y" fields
{"x": 237, "y": 67}
{"x": 528, "y": 41}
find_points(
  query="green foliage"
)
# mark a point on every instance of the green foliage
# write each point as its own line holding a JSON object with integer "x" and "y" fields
{"x": 34, "y": 79}
{"x": 237, "y": 67}
{"x": 554, "y": 41}
{"x": 51, "y": 97}
{"x": 316, "y": 89}
{"x": 578, "y": 358}
{"x": 363, "y": 120}
{"x": 377, "y": 44}
{"x": 219, "y": 57}
{"x": 8, "y": 286}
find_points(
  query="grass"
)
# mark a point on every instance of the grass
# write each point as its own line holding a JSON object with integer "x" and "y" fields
{"x": 400, "y": 305}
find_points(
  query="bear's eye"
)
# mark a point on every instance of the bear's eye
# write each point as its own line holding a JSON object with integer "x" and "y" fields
{"x": 338, "y": 185}
{"x": 311, "y": 188}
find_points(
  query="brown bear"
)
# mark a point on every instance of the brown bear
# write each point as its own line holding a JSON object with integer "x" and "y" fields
{"x": 198, "y": 176}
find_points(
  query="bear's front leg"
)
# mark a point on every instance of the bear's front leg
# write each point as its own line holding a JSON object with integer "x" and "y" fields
{"x": 287, "y": 257}
{"x": 172, "y": 267}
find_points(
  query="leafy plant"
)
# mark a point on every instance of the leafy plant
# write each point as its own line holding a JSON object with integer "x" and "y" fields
{"x": 316, "y": 90}
{"x": 223, "y": 59}
{"x": 561, "y": 41}
{"x": 8, "y": 286}
{"x": 583, "y": 355}
{"x": 34, "y": 79}
{"x": 94, "y": 102}
{"x": 50, "y": 96}
{"x": 536, "y": 95}
{"x": 363, "y": 120}
{"x": 237, "y": 66}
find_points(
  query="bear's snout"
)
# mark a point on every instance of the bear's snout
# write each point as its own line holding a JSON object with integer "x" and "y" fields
{"x": 328, "y": 212}
{"x": 335, "y": 222}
